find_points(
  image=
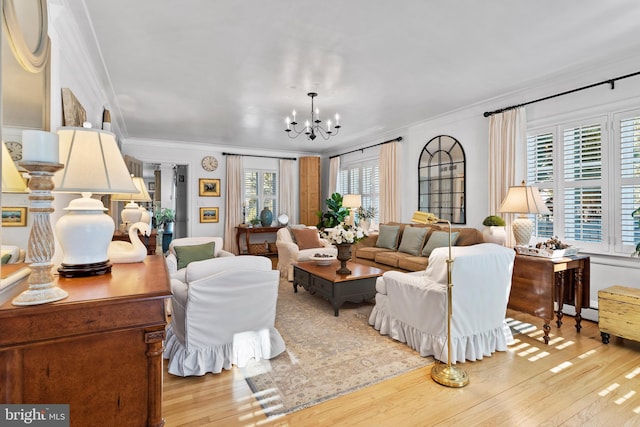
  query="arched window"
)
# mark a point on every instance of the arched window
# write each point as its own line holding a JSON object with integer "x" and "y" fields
{"x": 441, "y": 173}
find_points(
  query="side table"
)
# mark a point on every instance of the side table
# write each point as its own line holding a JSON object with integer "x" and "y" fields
{"x": 539, "y": 282}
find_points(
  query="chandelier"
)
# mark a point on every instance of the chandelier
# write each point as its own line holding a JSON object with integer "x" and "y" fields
{"x": 313, "y": 127}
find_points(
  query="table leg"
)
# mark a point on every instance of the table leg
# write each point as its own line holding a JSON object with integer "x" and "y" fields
{"x": 578, "y": 297}
{"x": 546, "y": 328}
{"x": 560, "y": 296}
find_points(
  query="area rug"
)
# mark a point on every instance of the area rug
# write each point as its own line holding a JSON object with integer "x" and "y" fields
{"x": 326, "y": 356}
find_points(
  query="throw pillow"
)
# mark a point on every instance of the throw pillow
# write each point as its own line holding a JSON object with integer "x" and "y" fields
{"x": 412, "y": 240}
{"x": 191, "y": 253}
{"x": 388, "y": 236}
{"x": 439, "y": 239}
{"x": 6, "y": 258}
{"x": 306, "y": 238}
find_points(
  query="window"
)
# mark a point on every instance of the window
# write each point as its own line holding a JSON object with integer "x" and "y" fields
{"x": 594, "y": 165}
{"x": 260, "y": 191}
{"x": 364, "y": 179}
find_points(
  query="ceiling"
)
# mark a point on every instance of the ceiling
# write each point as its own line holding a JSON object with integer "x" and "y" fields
{"x": 228, "y": 72}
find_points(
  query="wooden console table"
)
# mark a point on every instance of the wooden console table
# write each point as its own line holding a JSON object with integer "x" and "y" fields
{"x": 257, "y": 248}
{"x": 539, "y": 282}
{"x": 149, "y": 241}
{"x": 99, "y": 350}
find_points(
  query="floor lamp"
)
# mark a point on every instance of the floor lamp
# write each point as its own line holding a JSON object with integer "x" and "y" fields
{"x": 445, "y": 374}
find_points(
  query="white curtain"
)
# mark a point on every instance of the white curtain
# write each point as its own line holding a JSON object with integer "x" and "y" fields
{"x": 389, "y": 182}
{"x": 334, "y": 171}
{"x": 285, "y": 195}
{"x": 507, "y": 132}
{"x": 233, "y": 202}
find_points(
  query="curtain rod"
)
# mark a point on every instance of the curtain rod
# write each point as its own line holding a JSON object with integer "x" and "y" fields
{"x": 265, "y": 157}
{"x": 364, "y": 148}
{"x": 604, "y": 82}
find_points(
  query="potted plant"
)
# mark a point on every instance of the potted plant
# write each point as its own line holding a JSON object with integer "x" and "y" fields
{"x": 165, "y": 218}
{"x": 494, "y": 231}
{"x": 365, "y": 215}
{"x": 336, "y": 213}
{"x": 255, "y": 221}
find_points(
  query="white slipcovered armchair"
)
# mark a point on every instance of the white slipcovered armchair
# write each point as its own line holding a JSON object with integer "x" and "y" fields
{"x": 223, "y": 314}
{"x": 412, "y": 307}
{"x": 289, "y": 252}
{"x": 172, "y": 260}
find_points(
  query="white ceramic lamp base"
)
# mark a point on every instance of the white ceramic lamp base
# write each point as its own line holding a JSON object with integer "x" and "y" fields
{"x": 522, "y": 230}
{"x": 84, "y": 234}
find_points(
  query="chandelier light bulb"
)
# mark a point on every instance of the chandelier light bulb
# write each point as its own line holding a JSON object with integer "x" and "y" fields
{"x": 328, "y": 126}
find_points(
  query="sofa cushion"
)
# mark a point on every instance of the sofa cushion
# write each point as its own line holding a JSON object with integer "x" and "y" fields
{"x": 467, "y": 236}
{"x": 413, "y": 263}
{"x": 412, "y": 240}
{"x": 306, "y": 238}
{"x": 370, "y": 253}
{"x": 190, "y": 253}
{"x": 388, "y": 236}
{"x": 391, "y": 258}
{"x": 439, "y": 239}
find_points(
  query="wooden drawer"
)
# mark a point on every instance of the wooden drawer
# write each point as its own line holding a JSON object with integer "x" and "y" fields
{"x": 619, "y": 309}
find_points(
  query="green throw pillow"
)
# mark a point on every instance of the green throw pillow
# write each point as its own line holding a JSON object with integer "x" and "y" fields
{"x": 412, "y": 240}
{"x": 388, "y": 236}
{"x": 439, "y": 239}
{"x": 191, "y": 253}
{"x": 5, "y": 258}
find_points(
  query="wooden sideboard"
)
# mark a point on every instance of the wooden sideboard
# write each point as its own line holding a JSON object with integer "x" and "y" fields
{"x": 266, "y": 247}
{"x": 149, "y": 241}
{"x": 539, "y": 282}
{"x": 99, "y": 350}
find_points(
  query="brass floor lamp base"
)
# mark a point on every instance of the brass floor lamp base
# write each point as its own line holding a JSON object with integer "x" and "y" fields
{"x": 450, "y": 376}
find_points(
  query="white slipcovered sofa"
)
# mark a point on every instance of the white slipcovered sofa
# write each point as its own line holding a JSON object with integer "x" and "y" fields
{"x": 223, "y": 314}
{"x": 289, "y": 252}
{"x": 412, "y": 307}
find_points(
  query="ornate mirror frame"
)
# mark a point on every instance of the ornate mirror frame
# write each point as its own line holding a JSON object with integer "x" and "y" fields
{"x": 441, "y": 179}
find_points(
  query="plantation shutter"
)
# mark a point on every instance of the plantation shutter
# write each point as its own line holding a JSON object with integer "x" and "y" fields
{"x": 583, "y": 172}
{"x": 540, "y": 171}
{"x": 630, "y": 181}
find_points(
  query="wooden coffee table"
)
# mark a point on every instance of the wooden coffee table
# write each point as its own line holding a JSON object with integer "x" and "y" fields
{"x": 323, "y": 280}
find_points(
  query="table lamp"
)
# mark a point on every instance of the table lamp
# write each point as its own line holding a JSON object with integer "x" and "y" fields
{"x": 92, "y": 164}
{"x": 523, "y": 199}
{"x": 133, "y": 213}
{"x": 351, "y": 202}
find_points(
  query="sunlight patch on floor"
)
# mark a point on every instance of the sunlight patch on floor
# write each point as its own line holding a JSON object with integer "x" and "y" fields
{"x": 624, "y": 398}
{"x": 565, "y": 345}
{"x": 561, "y": 367}
{"x": 633, "y": 373}
{"x": 609, "y": 389}
{"x": 528, "y": 352}
{"x": 587, "y": 354}
{"x": 539, "y": 356}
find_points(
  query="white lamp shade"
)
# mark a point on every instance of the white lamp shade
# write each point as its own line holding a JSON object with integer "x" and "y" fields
{"x": 12, "y": 181}
{"x": 141, "y": 195}
{"x": 92, "y": 163}
{"x": 352, "y": 201}
{"x": 524, "y": 199}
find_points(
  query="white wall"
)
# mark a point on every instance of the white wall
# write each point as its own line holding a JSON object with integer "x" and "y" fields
{"x": 191, "y": 154}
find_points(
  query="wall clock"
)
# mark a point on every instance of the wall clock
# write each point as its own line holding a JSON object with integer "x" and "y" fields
{"x": 209, "y": 163}
{"x": 15, "y": 150}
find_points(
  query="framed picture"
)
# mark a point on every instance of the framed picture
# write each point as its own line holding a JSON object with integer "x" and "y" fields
{"x": 152, "y": 186}
{"x": 208, "y": 214}
{"x": 209, "y": 187}
{"x": 14, "y": 217}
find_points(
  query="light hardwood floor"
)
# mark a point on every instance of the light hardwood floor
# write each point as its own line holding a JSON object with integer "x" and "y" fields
{"x": 574, "y": 381}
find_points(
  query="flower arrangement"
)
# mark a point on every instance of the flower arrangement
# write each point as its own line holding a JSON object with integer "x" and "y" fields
{"x": 366, "y": 213}
{"x": 344, "y": 234}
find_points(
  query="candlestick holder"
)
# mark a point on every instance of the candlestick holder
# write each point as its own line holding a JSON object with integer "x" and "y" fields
{"x": 41, "y": 242}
